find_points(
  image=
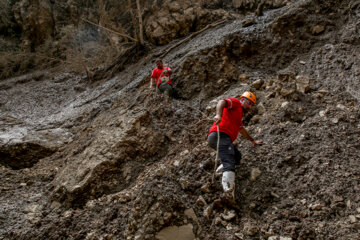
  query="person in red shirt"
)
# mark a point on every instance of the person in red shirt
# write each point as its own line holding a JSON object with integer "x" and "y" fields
{"x": 229, "y": 113}
{"x": 161, "y": 77}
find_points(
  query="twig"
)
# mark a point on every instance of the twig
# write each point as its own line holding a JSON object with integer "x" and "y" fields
{"x": 110, "y": 30}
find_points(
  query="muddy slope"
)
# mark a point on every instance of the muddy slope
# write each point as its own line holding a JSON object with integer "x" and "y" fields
{"x": 122, "y": 163}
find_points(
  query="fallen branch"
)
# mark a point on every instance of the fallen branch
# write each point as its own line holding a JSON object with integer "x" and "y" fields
{"x": 192, "y": 36}
{"x": 110, "y": 30}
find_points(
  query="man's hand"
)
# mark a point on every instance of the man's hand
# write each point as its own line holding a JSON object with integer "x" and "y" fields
{"x": 217, "y": 119}
{"x": 254, "y": 143}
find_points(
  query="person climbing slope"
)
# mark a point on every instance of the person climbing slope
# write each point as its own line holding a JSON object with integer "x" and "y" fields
{"x": 229, "y": 114}
{"x": 161, "y": 77}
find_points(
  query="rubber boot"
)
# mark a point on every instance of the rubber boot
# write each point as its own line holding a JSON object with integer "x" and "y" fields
{"x": 228, "y": 184}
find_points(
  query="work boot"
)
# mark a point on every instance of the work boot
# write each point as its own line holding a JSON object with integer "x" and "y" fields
{"x": 228, "y": 184}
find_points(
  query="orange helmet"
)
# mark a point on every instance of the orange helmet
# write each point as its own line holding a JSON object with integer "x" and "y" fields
{"x": 250, "y": 96}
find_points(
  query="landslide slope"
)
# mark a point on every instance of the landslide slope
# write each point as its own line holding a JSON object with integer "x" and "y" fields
{"x": 113, "y": 159}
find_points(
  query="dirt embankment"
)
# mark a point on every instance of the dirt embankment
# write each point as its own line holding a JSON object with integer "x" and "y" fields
{"x": 130, "y": 165}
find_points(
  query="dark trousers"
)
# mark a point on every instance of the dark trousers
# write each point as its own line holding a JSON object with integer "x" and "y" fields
{"x": 228, "y": 153}
{"x": 166, "y": 88}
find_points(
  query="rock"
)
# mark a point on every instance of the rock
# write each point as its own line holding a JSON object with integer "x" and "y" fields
{"x": 284, "y": 104}
{"x": 243, "y": 77}
{"x": 190, "y": 213}
{"x": 255, "y": 174}
{"x": 318, "y": 29}
{"x": 261, "y": 109}
{"x": 55, "y": 205}
{"x": 358, "y": 209}
{"x": 208, "y": 211}
{"x": 239, "y": 236}
{"x": 205, "y": 188}
{"x": 173, "y": 233}
{"x": 302, "y": 84}
{"x": 67, "y": 214}
{"x": 248, "y": 22}
{"x": 217, "y": 220}
{"x": 228, "y": 216}
{"x": 316, "y": 206}
{"x": 322, "y": 113}
{"x": 184, "y": 183}
{"x": 185, "y": 152}
{"x": 250, "y": 229}
{"x": 279, "y": 238}
{"x": 340, "y": 106}
{"x": 258, "y": 83}
{"x": 286, "y": 83}
{"x": 352, "y": 219}
{"x": 201, "y": 201}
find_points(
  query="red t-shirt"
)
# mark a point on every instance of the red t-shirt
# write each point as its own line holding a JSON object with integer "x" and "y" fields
{"x": 231, "y": 119}
{"x": 160, "y": 77}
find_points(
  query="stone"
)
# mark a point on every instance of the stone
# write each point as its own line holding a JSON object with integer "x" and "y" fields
{"x": 261, "y": 108}
{"x": 258, "y": 83}
{"x": 184, "y": 232}
{"x": 316, "y": 206}
{"x": 250, "y": 229}
{"x": 239, "y": 236}
{"x": 208, "y": 211}
{"x": 248, "y": 22}
{"x": 318, "y": 29}
{"x": 243, "y": 77}
{"x": 255, "y": 174}
{"x": 302, "y": 84}
{"x": 201, "y": 201}
{"x": 228, "y": 216}
{"x": 55, "y": 205}
{"x": 205, "y": 188}
{"x": 352, "y": 219}
{"x": 279, "y": 238}
{"x": 284, "y": 104}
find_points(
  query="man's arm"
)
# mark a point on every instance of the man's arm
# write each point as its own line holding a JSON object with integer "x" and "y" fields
{"x": 152, "y": 81}
{"x": 246, "y": 135}
{"x": 219, "y": 110}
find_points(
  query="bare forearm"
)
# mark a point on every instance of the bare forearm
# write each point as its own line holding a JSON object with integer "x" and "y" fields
{"x": 246, "y": 135}
{"x": 152, "y": 81}
{"x": 220, "y": 107}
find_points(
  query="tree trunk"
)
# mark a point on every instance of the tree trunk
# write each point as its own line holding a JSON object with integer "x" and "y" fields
{"x": 139, "y": 13}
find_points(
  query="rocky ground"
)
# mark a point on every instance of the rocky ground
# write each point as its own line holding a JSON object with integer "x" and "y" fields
{"x": 112, "y": 159}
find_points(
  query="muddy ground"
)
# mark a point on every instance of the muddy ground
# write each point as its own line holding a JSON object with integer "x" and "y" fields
{"x": 113, "y": 159}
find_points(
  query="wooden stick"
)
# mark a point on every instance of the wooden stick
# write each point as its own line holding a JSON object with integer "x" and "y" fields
{"x": 107, "y": 29}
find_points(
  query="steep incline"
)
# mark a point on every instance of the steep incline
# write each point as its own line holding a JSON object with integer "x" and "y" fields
{"x": 126, "y": 164}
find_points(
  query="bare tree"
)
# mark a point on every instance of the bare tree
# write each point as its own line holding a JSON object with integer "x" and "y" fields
{"x": 139, "y": 13}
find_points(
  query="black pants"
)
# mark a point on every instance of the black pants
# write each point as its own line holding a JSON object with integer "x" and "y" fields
{"x": 228, "y": 153}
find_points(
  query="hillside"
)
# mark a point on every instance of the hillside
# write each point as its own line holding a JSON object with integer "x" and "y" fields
{"x": 93, "y": 153}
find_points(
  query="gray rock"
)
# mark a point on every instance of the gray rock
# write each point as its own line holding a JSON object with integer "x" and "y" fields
{"x": 258, "y": 83}
{"x": 255, "y": 174}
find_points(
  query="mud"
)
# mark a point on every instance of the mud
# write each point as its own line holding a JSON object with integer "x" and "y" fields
{"x": 126, "y": 163}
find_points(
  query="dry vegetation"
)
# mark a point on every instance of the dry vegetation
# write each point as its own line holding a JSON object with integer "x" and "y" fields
{"x": 80, "y": 48}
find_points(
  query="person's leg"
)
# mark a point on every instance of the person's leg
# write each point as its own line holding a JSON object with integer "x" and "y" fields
{"x": 237, "y": 156}
{"x": 166, "y": 88}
